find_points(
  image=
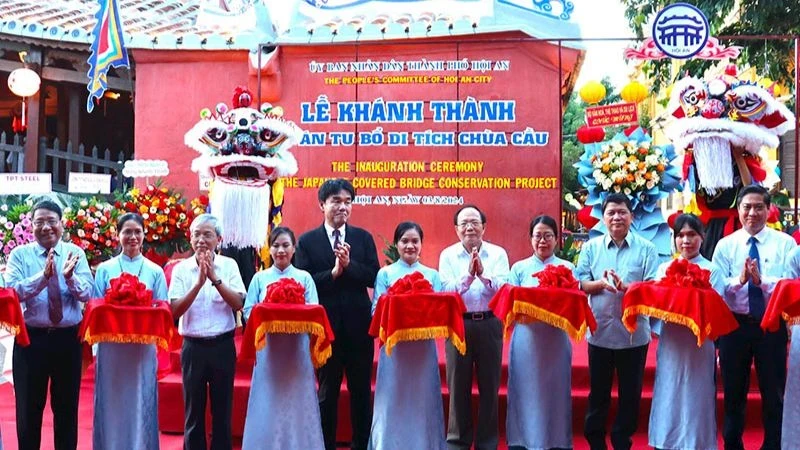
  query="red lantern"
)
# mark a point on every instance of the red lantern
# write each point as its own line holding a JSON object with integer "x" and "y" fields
{"x": 590, "y": 135}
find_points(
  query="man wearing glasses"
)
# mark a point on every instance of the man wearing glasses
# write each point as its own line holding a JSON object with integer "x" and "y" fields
{"x": 607, "y": 265}
{"x": 50, "y": 278}
{"x": 752, "y": 260}
{"x": 475, "y": 269}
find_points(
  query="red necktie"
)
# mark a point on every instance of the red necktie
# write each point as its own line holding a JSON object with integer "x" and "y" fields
{"x": 54, "y": 308}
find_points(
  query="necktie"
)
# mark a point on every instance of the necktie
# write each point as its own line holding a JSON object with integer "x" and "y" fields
{"x": 754, "y": 293}
{"x": 336, "y": 241}
{"x": 54, "y": 309}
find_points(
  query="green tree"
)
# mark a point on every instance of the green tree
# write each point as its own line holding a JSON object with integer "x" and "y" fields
{"x": 571, "y": 149}
{"x": 730, "y": 18}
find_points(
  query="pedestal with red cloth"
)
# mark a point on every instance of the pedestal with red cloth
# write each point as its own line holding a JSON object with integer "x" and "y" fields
{"x": 128, "y": 326}
{"x": 684, "y": 297}
{"x": 288, "y": 340}
{"x": 408, "y": 410}
{"x": 557, "y": 301}
{"x": 784, "y": 303}
{"x": 11, "y": 318}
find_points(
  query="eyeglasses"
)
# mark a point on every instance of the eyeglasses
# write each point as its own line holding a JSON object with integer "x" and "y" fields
{"x": 50, "y": 222}
{"x": 469, "y": 223}
{"x": 545, "y": 236}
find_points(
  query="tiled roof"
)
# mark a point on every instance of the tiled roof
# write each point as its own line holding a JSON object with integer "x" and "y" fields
{"x": 243, "y": 24}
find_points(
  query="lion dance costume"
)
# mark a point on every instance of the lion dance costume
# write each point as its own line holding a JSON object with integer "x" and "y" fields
{"x": 245, "y": 151}
{"x": 723, "y": 126}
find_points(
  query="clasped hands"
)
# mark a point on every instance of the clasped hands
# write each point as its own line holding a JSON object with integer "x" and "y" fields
{"x": 750, "y": 272}
{"x": 67, "y": 270}
{"x": 342, "y": 254}
{"x": 612, "y": 282}
{"x": 475, "y": 264}
{"x": 205, "y": 262}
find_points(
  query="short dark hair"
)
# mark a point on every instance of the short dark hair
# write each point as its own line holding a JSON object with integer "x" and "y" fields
{"x": 402, "y": 227}
{"x": 48, "y": 205}
{"x": 617, "y": 198}
{"x": 455, "y": 216}
{"x": 278, "y": 231}
{"x": 333, "y": 186}
{"x": 129, "y": 216}
{"x": 688, "y": 219}
{"x": 754, "y": 189}
{"x": 544, "y": 220}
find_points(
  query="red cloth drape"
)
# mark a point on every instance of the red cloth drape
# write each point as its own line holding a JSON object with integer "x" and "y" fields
{"x": 103, "y": 322}
{"x": 702, "y": 310}
{"x": 783, "y": 303}
{"x": 418, "y": 316}
{"x": 288, "y": 319}
{"x": 567, "y": 309}
{"x": 11, "y": 318}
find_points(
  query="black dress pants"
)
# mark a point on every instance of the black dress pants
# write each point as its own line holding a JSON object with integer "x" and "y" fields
{"x": 737, "y": 352}
{"x": 208, "y": 366}
{"x": 629, "y": 366}
{"x": 351, "y": 357}
{"x": 53, "y": 357}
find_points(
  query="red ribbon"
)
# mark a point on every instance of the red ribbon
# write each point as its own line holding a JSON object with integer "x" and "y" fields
{"x": 413, "y": 283}
{"x": 127, "y": 290}
{"x": 286, "y": 291}
{"x": 682, "y": 273}
{"x": 554, "y": 276}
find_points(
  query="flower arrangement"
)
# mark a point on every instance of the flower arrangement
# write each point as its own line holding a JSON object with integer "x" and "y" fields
{"x": 554, "y": 276}
{"x": 199, "y": 205}
{"x": 166, "y": 218}
{"x": 91, "y": 224}
{"x": 629, "y": 167}
{"x": 16, "y": 227}
{"x": 286, "y": 291}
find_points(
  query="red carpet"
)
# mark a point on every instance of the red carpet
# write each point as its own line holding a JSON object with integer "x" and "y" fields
{"x": 171, "y": 404}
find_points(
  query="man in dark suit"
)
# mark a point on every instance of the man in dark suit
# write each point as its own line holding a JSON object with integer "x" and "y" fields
{"x": 344, "y": 262}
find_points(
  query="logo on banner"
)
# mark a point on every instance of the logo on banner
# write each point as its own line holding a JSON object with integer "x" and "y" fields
{"x": 680, "y": 30}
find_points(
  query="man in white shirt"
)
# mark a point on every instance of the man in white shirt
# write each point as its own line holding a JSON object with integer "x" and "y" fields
{"x": 752, "y": 260}
{"x": 475, "y": 269}
{"x": 205, "y": 291}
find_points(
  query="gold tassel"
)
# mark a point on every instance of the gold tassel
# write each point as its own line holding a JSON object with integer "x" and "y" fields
{"x": 666, "y": 316}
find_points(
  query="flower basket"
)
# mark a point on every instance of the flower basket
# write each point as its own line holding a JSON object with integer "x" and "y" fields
{"x": 16, "y": 227}
{"x": 91, "y": 224}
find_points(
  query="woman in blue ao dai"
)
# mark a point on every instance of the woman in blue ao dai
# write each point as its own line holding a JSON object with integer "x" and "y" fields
{"x": 540, "y": 360}
{"x": 282, "y": 411}
{"x": 125, "y": 392}
{"x": 408, "y": 412}
{"x": 683, "y": 413}
{"x": 790, "y": 434}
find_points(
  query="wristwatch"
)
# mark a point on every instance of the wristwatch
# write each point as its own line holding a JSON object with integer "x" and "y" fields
{"x": 216, "y": 282}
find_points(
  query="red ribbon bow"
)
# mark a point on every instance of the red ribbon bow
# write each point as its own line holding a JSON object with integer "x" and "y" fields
{"x": 413, "y": 283}
{"x": 553, "y": 276}
{"x": 682, "y": 273}
{"x": 286, "y": 291}
{"x": 127, "y": 290}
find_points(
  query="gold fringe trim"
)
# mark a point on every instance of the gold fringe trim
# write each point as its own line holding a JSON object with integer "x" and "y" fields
{"x": 421, "y": 334}
{"x": 666, "y": 316}
{"x": 790, "y": 321}
{"x": 118, "y": 338}
{"x": 319, "y": 355}
{"x": 13, "y": 329}
{"x": 523, "y": 312}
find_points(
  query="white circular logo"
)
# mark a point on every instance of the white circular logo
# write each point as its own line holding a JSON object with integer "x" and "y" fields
{"x": 680, "y": 30}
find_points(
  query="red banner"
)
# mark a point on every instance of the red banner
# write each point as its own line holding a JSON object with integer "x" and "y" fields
{"x": 610, "y": 115}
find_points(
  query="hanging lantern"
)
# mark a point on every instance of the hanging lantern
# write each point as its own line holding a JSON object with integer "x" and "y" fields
{"x": 592, "y": 92}
{"x": 24, "y": 82}
{"x": 590, "y": 135}
{"x": 634, "y": 92}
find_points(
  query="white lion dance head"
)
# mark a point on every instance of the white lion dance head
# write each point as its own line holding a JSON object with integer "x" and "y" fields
{"x": 245, "y": 151}
{"x": 721, "y": 114}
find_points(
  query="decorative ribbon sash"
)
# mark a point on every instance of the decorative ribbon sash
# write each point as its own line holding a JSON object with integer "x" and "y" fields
{"x": 11, "y": 318}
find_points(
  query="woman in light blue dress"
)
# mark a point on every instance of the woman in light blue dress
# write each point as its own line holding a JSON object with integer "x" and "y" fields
{"x": 683, "y": 413}
{"x": 408, "y": 412}
{"x": 282, "y": 411}
{"x": 539, "y": 360}
{"x": 125, "y": 393}
{"x": 790, "y": 434}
